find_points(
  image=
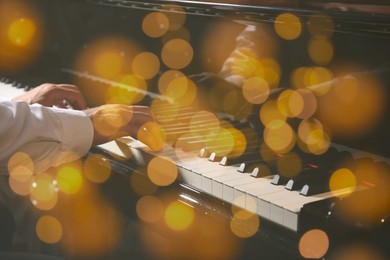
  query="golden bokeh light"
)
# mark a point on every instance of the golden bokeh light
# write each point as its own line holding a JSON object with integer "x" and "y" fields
{"x": 166, "y": 78}
{"x": 352, "y": 106}
{"x": 177, "y": 54}
{"x": 162, "y": 171}
{"x": 289, "y": 165}
{"x": 155, "y": 24}
{"x": 150, "y": 209}
{"x": 309, "y": 104}
{"x": 244, "y": 224}
{"x": 342, "y": 179}
{"x": 48, "y": 229}
{"x": 43, "y": 193}
{"x": 20, "y": 159}
{"x": 130, "y": 89}
{"x": 21, "y": 187}
{"x": 21, "y": 38}
{"x": 279, "y": 136}
{"x": 182, "y": 90}
{"x": 288, "y": 26}
{"x": 69, "y": 179}
{"x": 152, "y": 135}
{"x": 97, "y": 168}
{"x": 268, "y": 69}
{"x": 109, "y": 121}
{"x": 255, "y": 90}
{"x": 222, "y": 142}
{"x": 179, "y": 216}
{"x": 146, "y": 65}
{"x": 314, "y": 244}
{"x": 108, "y": 64}
{"x": 175, "y": 14}
{"x": 313, "y": 135}
{"x": 22, "y": 31}
{"x": 106, "y": 58}
{"x": 203, "y": 123}
{"x": 320, "y": 50}
{"x": 269, "y": 112}
{"x": 358, "y": 251}
{"x": 290, "y": 103}
{"x": 164, "y": 112}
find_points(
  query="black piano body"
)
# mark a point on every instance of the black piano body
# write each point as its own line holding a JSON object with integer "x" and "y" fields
{"x": 340, "y": 39}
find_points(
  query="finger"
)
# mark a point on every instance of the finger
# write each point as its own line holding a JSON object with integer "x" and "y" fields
{"x": 73, "y": 96}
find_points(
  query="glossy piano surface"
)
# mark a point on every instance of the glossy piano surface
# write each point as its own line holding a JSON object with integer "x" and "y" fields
{"x": 275, "y": 115}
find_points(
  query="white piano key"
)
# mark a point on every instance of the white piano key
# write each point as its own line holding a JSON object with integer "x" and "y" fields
{"x": 228, "y": 186}
{"x": 10, "y": 91}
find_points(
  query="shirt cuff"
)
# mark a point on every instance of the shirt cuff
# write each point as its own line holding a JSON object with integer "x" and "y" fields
{"x": 77, "y": 131}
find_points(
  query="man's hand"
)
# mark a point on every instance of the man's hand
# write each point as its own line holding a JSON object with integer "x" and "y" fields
{"x": 59, "y": 95}
{"x": 113, "y": 121}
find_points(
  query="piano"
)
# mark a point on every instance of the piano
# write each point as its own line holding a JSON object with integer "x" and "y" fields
{"x": 275, "y": 115}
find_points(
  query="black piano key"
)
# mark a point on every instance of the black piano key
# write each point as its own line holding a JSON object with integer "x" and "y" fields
{"x": 308, "y": 176}
{"x": 261, "y": 170}
{"x": 244, "y": 158}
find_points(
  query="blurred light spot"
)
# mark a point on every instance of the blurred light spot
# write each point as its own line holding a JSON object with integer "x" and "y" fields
{"x": 313, "y": 135}
{"x": 290, "y": 103}
{"x": 163, "y": 111}
{"x": 309, "y": 103}
{"x": 162, "y": 171}
{"x": 288, "y": 26}
{"x": 150, "y": 209}
{"x": 69, "y": 179}
{"x": 155, "y": 24}
{"x": 314, "y": 244}
{"x": 203, "y": 123}
{"x": 320, "y": 50}
{"x": 20, "y": 166}
{"x": 166, "y": 78}
{"x": 182, "y": 90}
{"x": 244, "y": 224}
{"x": 352, "y": 106}
{"x": 289, "y": 165}
{"x": 255, "y": 90}
{"x": 269, "y": 70}
{"x": 108, "y": 64}
{"x": 48, "y": 229}
{"x": 178, "y": 216}
{"x": 21, "y": 31}
{"x": 319, "y": 80}
{"x": 109, "y": 121}
{"x": 231, "y": 58}
{"x": 342, "y": 179}
{"x": 21, "y": 187}
{"x": 146, "y": 65}
{"x": 222, "y": 141}
{"x": 320, "y": 25}
{"x": 269, "y": 112}
{"x": 130, "y": 89}
{"x": 97, "y": 168}
{"x": 279, "y": 136}
{"x": 177, "y": 54}
{"x": 268, "y": 154}
{"x": 152, "y": 135}
{"x": 43, "y": 192}
{"x": 175, "y": 14}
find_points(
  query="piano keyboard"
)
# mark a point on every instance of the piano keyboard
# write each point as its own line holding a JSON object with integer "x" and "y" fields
{"x": 9, "y": 89}
{"x": 227, "y": 183}
{"x": 231, "y": 183}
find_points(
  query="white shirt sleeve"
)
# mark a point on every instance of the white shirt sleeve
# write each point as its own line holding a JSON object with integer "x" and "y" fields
{"x": 50, "y": 136}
